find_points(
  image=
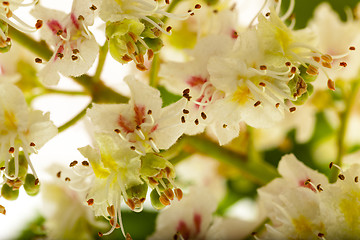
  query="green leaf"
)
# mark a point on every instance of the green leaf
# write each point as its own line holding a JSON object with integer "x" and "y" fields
{"x": 139, "y": 225}
{"x": 168, "y": 97}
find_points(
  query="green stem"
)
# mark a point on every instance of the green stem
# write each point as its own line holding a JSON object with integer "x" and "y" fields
{"x": 258, "y": 172}
{"x": 74, "y": 119}
{"x": 344, "y": 121}
{"x": 171, "y": 8}
{"x": 155, "y": 66}
{"x": 102, "y": 57}
{"x": 64, "y": 92}
{"x": 97, "y": 89}
{"x": 38, "y": 48}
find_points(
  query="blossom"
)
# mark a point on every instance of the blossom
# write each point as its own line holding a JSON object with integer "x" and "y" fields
{"x": 7, "y": 17}
{"x": 118, "y": 10}
{"x": 314, "y": 208}
{"x": 251, "y": 88}
{"x": 20, "y": 128}
{"x": 75, "y": 48}
{"x": 66, "y": 215}
{"x": 193, "y": 76}
{"x": 141, "y": 124}
{"x": 337, "y": 40}
{"x": 116, "y": 170}
{"x": 192, "y": 218}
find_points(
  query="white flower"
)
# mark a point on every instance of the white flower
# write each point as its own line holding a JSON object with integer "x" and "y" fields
{"x": 8, "y": 17}
{"x": 254, "y": 92}
{"x": 66, "y": 215}
{"x": 191, "y": 218}
{"x": 20, "y": 129}
{"x": 294, "y": 175}
{"x": 335, "y": 37}
{"x": 117, "y": 10}
{"x": 194, "y": 76}
{"x": 340, "y": 204}
{"x": 312, "y": 209}
{"x": 142, "y": 124}
{"x": 75, "y": 48}
{"x": 116, "y": 170}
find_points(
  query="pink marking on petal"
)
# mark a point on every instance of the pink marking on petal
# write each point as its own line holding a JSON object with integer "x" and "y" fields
{"x": 196, "y": 81}
{"x": 54, "y": 26}
{"x": 139, "y": 114}
{"x": 125, "y": 124}
{"x": 309, "y": 186}
{"x": 75, "y": 21}
{"x": 234, "y": 34}
{"x": 183, "y": 229}
{"x": 60, "y": 50}
{"x": 197, "y": 222}
{"x": 153, "y": 129}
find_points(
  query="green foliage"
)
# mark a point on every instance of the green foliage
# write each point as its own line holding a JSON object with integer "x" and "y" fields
{"x": 167, "y": 97}
{"x": 304, "y": 151}
{"x": 304, "y": 9}
{"x": 34, "y": 229}
{"x": 139, "y": 225}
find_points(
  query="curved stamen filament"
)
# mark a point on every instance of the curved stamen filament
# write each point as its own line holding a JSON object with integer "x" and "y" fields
{"x": 262, "y": 7}
{"x": 289, "y": 11}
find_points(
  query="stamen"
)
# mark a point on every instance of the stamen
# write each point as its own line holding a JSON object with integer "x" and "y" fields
{"x": 356, "y": 179}
{"x": 341, "y": 175}
{"x": 182, "y": 119}
{"x": 169, "y": 194}
{"x": 164, "y": 200}
{"x": 153, "y": 145}
{"x": 90, "y": 202}
{"x": 331, "y": 85}
{"x": 257, "y": 103}
{"x": 139, "y": 132}
{"x": 73, "y": 163}
{"x": 178, "y": 193}
{"x": 319, "y": 188}
{"x": 141, "y": 67}
{"x": 93, "y": 7}
{"x": 203, "y": 115}
{"x": 33, "y": 146}
{"x": 308, "y": 182}
{"x": 85, "y": 163}
{"x": 119, "y": 133}
{"x": 58, "y": 174}
{"x": 38, "y": 24}
{"x": 292, "y": 109}
{"x": 2, "y": 210}
{"x": 185, "y": 111}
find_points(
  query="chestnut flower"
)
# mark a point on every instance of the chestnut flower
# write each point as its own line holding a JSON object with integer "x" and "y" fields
{"x": 75, "y": 48}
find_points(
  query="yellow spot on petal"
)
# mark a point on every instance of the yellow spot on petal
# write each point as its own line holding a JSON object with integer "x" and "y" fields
{"x": 350, "y": 211}
{"x": 242, "y": 95}
{"x": 305, "y": 228}
{"x": 10, "y": 120}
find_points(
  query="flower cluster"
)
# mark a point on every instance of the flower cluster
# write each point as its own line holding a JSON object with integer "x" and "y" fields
{"x": 304, "y": 205}
{"x": 203, "y": 83}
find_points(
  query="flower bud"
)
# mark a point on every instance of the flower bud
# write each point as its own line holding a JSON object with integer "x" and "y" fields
{"x": 122, "y": 38}
{"x": 23, "y": 166}
{"x": 5, "y": 44}
{"x": 30, "y": 185}
{"x": 8, "y": 193}
{"x": 155, "y": 200}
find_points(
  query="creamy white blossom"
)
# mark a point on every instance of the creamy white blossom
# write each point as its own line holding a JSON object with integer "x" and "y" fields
{"x": 116, "y": 170}
{"x": 142, "y": 124}
{"x": 21, "y": 129}
{"x": 75, "y": 47}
